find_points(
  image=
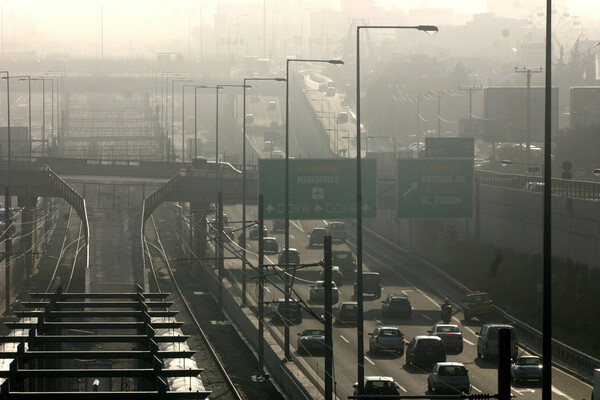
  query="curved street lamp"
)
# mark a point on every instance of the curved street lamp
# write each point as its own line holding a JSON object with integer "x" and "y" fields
{"x": 359, "y": 285}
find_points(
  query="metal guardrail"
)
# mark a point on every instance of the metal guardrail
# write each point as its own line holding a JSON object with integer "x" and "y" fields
{"x": 574, "y": 360}
{"x": 75, "y": 200}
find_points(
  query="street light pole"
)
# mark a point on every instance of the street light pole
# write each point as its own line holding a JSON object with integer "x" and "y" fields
{"x": 359, "y": 266}
{"x": 43, "y": 112}
{"x": 243, "y": 241}
{"x": 173, "y": 113}
{"x": 528, "y": 72}
{"x": 287, "y": 187}
{"x": 183, "y": 120}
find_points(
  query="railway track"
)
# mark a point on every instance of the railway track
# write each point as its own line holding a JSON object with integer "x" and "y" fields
{"x": 227, "y": 372}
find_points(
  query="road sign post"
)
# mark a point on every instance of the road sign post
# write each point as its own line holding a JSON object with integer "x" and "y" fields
{"x": 319, "y": 188}
{"x": 434, "y": 188}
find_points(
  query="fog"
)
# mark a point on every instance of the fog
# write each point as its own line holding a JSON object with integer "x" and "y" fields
{"x": 140, "y": 29}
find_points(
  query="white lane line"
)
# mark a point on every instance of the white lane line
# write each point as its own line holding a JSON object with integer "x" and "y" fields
{"x": 475, "y": 389}
{"x": 367, "y": 358}
{"x": 426, "y": 317}
{"x": 468, "y": 342}
{"x": 325, "y": 221}
{"x": 558, "y": 392}
{"x": 404, "y": 390}
{"x": 297, "y": 225}
{"x": 267, "y": 289}
{"x": 379, "y": 322}
{"x": 344, "y": 339}
{"x": 517, "y": 391}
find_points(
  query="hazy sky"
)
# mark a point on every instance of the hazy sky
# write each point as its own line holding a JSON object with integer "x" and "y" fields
{"x": 76, "y": 23}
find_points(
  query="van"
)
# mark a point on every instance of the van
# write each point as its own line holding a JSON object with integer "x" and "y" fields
{"x": 337, "y": 230}
{"x": 488, "y": 341}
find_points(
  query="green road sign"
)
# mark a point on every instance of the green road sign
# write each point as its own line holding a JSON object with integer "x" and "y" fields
{"x": 450, "y": 147}
{"x": 319, "y": 189}
{"x": 434, "y": 188}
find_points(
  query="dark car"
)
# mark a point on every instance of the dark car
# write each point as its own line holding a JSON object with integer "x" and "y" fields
{"x": 293, "y": 257}
{"x": 311, "y": 341}
{"x": 371, "y": 284}
{"x": 346, "y": 261}
{"x": 526, "y": 368}
{"x": 316, "y": 236}
{"x": 396, "y": 304}
{"x": 288, "y": 314}
{"x": 229, "y": 231}
{"x": 347, "y": 312}
{"x": 254, "y": 232}
{"x": 450, "y": 335}
{"x": 425, "y": 351}
{"x": 278, "y": 225}
{"x": 270, "y": 245}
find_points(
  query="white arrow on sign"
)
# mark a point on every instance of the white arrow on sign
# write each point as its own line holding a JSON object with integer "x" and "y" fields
{"x": 411, "y": 188}
{"x": 366, "y": 207}
{"x": 318, "y": 208}
{"x": 269, "y": 208}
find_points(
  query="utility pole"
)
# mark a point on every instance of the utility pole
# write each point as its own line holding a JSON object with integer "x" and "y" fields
{"x": 471, "y": 89}
{"x": 528, "y": 72}
{"x": 439, "y": 115}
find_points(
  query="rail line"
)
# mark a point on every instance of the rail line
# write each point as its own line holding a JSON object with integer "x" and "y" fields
{"x": 159, "y": 247}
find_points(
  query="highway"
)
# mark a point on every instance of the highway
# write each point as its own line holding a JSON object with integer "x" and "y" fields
{"x": 399, "y": 275}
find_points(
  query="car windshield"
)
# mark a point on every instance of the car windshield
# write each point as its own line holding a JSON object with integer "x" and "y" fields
{"x": 477, "y": 298}
{"x": 452, "y": 370}
{"x": 447, "y": 329}
{"x": 314, "y": 332}
{"x": 529, "y": 361}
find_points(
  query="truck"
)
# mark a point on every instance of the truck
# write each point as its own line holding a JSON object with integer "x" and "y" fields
{"x": 477, "y": 305}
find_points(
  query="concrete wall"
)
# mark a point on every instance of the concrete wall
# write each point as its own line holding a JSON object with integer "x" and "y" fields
{"x": 510, "y": 219}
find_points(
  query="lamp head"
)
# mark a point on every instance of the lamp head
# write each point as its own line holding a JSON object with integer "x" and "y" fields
{"x": 597, "y": 172}
{"x": 428, "y": 28}
{"x": 504, "y": 163}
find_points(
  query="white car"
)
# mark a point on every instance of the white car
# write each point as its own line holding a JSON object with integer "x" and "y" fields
{"x": 317, "y": 292}
{"x": 449, "y": 377}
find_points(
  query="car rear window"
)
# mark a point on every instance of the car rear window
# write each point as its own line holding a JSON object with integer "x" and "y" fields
{"x": 399, "y": 301}
{"x": 493, "y": 334}
{"x": 446, "y": 329}
{"x": 390, "y": 332}
{"x": 428, "y": 344}
{"x": 452, "y": 370}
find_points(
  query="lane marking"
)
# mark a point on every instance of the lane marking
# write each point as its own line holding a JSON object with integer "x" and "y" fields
{"x": 267, "y": 289}
{"x": 426, "y": 317}
{"x": 379, "y": 322}
{"x": 475, "y": 389}
{"x": 297, "y": 225}
{"x": 404, "y": 390}
{"x": 367, "y": 358}
{"x": 468, "y": 342}
{"x": 558, "y": 392}
{"x": 344, "y": 339}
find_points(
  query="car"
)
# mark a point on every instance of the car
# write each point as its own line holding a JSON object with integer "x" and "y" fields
{"x": 293, "y": 256}
{"x": 254, "y": 232}
{"x": 271, "y": 106}
{"x": 346, "y": 261}
{"x": 330, "y": 91}
{"x": 289, "y": 313}
{"x": 316, "y": 236}
{"x": 396, "y": 304}
{"x": 477, "y": 305}
{"x": 347, "y": 312}
{"x": 268, "y": 146}
{"x": 311, "y": 341}
{"x": 249, "y": 118}
{"x": 371, "y": 284}
{"x": 425, "y": 351}
{"x": 270, "y": 244}
{"x": 278, "y": 225}
{"x": 449, "y": 377}
{"x": 229, "y": 231}
{"x": 377, "y": 385}
{"x": 317, "y": 292}
{"x": 337, "y": 230}
{"x": 336, "y": 275}
{"x": 387, "y": 338}
{"x": 450, "y": 335}
{"x": 526, "y": 368}
{"x": 488, "y": 341}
